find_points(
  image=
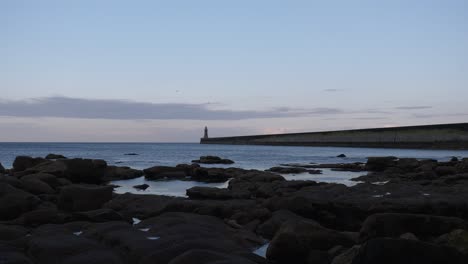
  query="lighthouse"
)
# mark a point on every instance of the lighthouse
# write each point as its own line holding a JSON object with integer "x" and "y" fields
{"x": 206, "y": 133}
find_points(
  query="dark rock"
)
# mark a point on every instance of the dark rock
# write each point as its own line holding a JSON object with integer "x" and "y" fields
{"x": 140, "y": 205}
{"x": 58, "y": 247}
{"x": 445, "y": 170}
{"x": 22, "y": 163}
{"x": 84, "y": 170}
{"x": 454, "y": 159}
{"x": 286, "y": 170}
{"x": 84, "y": 197}
{"x": 213, "y": 160}
{"x": 457, "y": 239}
{"x": 141, "y": 186}
{"x": 13, "y": 181}
{"x": 199, "y": 192}
{"x": 296, "y": 239}
{"x": 41, "y": 216}
{"x": 380, "y": 163}
{"x": 13, "y": 255}
{"x": 14, "y": 202}
{"x": 347, "y": 256}
{"x": 2, "y": 169}
{"x": 12, "y": 232}
{"x": 211, "y": 174}
{"x": 269, "y": 228}
{"x": 113, "y": 173}
{"x": 55, "y": 156}
{"x": 131, "y": 154}
{"x": 408, "y": 164}
{"x": 99, "y": 215}
{"x": 165, "y": 172}
{"x": 355, "y": 167}
{"x": 314, "y": 171}
{"x": 394, "y": 225}
{"x": 35, "y": 186}
{"x": 318, "y": 257}
{"x": 403, "y": 251}
{"x": 201, "y": 256}
{"x": 341, "y": 156}
{"x": 47, "y": 178}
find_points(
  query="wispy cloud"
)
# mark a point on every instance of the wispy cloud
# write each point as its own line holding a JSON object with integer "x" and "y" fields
{"x": 332, "y": 90}
{"x": 67, "y": 107}
{"x": 417, "y": 107}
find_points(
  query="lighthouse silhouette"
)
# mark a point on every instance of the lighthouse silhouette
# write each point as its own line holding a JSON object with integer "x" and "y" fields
{"x": 206, "y": 132}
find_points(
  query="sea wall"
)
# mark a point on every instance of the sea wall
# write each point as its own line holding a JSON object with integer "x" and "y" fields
{"x": 447, "y": 136}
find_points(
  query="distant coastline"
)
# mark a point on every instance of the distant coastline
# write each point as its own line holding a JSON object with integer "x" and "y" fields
{"x": 440, "y": 136}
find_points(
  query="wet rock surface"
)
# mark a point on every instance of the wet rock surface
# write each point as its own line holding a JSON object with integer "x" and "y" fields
{"x": 401, "y": 211}
{"x": 213, "y": 160}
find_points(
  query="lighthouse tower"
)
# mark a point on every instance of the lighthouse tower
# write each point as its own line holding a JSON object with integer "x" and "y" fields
{"x": 206, "y": 133}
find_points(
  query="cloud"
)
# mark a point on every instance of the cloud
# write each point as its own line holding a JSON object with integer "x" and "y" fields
{"x": 66, "y": 107}
{"x": 413, "y": 107}
{"x": 332, "y": 90}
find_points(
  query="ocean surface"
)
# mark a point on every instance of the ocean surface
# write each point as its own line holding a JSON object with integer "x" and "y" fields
{"x": 247, "y": 157}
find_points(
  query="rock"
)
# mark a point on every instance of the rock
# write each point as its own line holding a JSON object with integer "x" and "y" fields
{"x": 22, "y": 163}
{"x": 408, "y": 164}
{"x": 380, "y": 163}
{"x": 113, "y": 173}
{"x": 36, "y": 186}
{"x": 409, "y": 236}
{"x": 296, "y": 239}
{"x": 403, "y": 251}
{"x": 84, "y": 170}
{"x": 286, "y": 170}
{"x": 201, "y": 256}
{"x": 12, "y": 232}
{"x": 131, "y": 154}
{"x": 457, "y": 239}
{"x": 47, "y": 178}
{"x": 211, "y": 174}
{"x": 141, "y": 187}
{"x": 269, "y": 228}
{"x": 165, "y": 172}
{"x": 318, "y": 257}
{"x": 99, "y": 215}
{"x": 199, "y": 192}
{"x": 14, "y": 202}
{"x": 61, "y": 247}
{"x": 41, "y": 216}
{"x": 13, "y": 255}
{"x": 347, "y": 256}
{"x": 13, "y": 181}
{"x": 445, "y": 170}
{"x": 395, "y": 224}
{"x": 213, "y": 160}
{"x": 84, "y": 197}
{"x": 314, "y": 171}
{"x": 341, "y": 156}
{"x": 2, "y": 169}
{"x": 55, "y": 156}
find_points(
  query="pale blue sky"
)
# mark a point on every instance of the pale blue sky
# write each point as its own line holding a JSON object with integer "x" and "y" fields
{"x": 243, "y": 67}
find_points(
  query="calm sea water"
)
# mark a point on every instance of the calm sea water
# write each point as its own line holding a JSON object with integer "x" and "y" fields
{"x": 248, "y": 157}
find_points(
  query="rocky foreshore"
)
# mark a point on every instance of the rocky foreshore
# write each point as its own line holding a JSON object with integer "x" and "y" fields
{"x": 59, "y": 210}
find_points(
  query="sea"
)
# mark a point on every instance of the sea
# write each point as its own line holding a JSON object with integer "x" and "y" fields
{"x": 245, "y": 156}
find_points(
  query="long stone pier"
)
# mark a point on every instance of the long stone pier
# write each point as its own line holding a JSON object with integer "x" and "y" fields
{"x": 444, "y": 136}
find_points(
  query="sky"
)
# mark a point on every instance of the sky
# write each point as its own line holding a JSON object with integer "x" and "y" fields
{"x": 160, "y": 71}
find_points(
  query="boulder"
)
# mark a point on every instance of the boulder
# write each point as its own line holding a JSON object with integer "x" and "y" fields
{"x": 457, "y": 239}
{"x": 141, "y": 187}
{"x": 42, "y": 216}
{"x": 380, "y": 163}
{"x": 396, "y": 224}
{"x": 202, "y": 256}
{"x": 22, "y": 163}
{"x": 341, "y": 156}
{"x": 287, "y": 170}
{"x": 165, "y": 172}
{"x": 296, "y": 239}
{"x": 55, "y": 156}
{"x": 113, "y": 173}
{"x": 84, "y": 197}
{"x": 84, "y": 170}
{"x": 14, "y": 202}
{"x": 47, "y": 178}
{"x": 13, "y": 255}
{"x": 213, "y": 160}
{"x": 2, "y": 169}
{"x": 445, "y": 170}
{"x": 12, "y": 232}
{"x": 99, "y": 215}
{"x": 347, "y": 256}
{"x": 35, "y": 186}
{"x": 404, "y": 251}
{"x": 269, "y": 228}
{"x": 199, "y": 192}
{"x": 13, "y": 181}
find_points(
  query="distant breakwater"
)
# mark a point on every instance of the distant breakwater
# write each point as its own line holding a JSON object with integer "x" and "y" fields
{"x": 445, "y": 136}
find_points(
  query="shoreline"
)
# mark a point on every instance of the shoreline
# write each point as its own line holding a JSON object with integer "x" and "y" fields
{"x": 399, "y": 204}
